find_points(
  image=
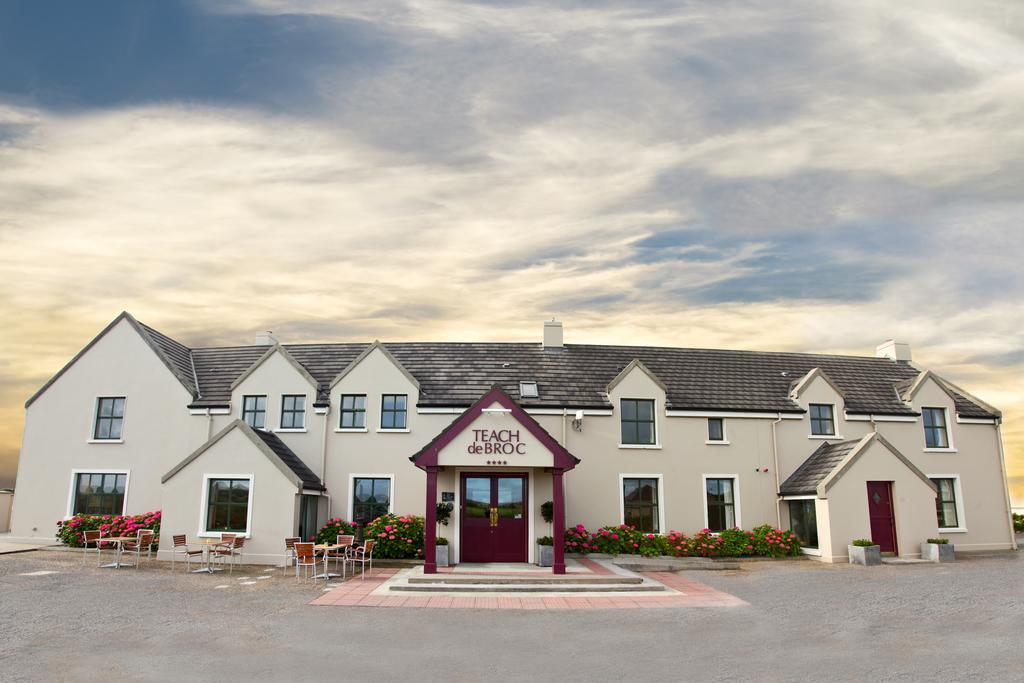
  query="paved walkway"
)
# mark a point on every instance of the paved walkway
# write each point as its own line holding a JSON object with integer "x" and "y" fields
{"x": 373, "y": 591}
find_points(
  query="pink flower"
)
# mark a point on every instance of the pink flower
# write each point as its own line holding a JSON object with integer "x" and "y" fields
{"x": 391, "y": 538}
{"x": 615, "y": 537}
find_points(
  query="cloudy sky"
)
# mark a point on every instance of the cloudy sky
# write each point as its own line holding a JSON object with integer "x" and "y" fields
{"x": 811, "y": 176}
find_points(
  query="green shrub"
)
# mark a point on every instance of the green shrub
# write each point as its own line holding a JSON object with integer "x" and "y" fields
{"x": 397, "y": 536}
{"x": 1018, "y": 523}
{"x": 441, "y": 540}
{"x": 772, "y": 542}
{"x": 69, "y": 531}
{"x": 547, "y": 511}
{"x": 545, "y": 540}
{"x": 627, "y": 540}
{"x": 862, "y": 543}
{"x": 335, "y": 527}
{"x": 938, "y": 541}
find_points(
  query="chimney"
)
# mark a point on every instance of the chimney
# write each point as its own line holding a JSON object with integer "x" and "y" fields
{"x": 894, "y": 350}
{"x": 553, "y": 335}
{"x": 265, "y": 338}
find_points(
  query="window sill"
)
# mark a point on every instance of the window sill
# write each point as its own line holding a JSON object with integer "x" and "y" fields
{"x": 105, "y": 441}
{"x": 289, "y": 431}
{"x": 954, "y": 530}
{"x": 351, "y": 430}
{"x": 941, "y": 450}
{"x": 641, "y": 446}
{"x": 717, "y": 443}
{"x": 811, "y": 551}
{"x": 392, "y": 431}
{"x": 826, "y": 436}
{"x": 218, "y": 534}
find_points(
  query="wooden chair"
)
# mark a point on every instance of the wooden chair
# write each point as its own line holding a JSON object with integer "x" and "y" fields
{"x": 362, "y": 555}
{"x": 306, "y": 556}
{"x": 289, "y": 549}
{"x": 181, "y": 548}
{"x": 94, "y": 537}
{"x": 143, "y": 541}
{"x": 231, "y": 553}
{"x": 341, "y": 553}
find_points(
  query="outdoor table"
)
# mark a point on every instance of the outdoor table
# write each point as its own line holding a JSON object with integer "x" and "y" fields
{"x": 119, "y": 541}
{"x": 326, "y": 548}
{"x": 208, "y": 545}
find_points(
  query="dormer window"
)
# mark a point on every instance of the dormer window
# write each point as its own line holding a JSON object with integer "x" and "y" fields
{"x": 109, "y": 419}
{"x": 528, "y": 390}
{"x": 293, "y": 412}
{"x": 823, "y": 422}
{"x": 935, "y": 433}
{"x": 638, "y": 422}
{"x": 254, "y": 411}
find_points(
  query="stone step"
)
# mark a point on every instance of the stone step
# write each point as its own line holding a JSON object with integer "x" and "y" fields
{"x": 527, "y": 588}
{"x": 477, "y": 580}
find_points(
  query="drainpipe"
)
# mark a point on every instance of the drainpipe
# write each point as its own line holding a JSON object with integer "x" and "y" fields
{"x": 209, "y": 424}
{"x": 874, "y": 424}
{"x": 1006, "y": 482}
{"x": 323, "y": 455}
{"x": 775, "y": 467}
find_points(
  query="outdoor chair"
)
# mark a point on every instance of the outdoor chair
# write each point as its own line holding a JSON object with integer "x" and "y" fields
{"x": 342, "y": 553}
{"x": 181, "y": 548}
{"x": 144, "y": 541}
{"x": 362, "y": 555}
{"x": 289, "y": 549}
{"x": 306, "y": 556}
{"x": 96, "y": 539}
{"x": 231, "y": 554}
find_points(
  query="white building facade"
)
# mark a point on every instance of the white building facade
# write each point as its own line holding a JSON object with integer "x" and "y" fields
{"x": 270, "y": 440}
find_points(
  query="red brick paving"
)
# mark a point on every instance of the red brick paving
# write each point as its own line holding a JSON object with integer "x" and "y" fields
{"x": 356, "y": 593}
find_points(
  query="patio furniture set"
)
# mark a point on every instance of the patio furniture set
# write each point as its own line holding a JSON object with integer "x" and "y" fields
{"x": 310, "y": 556}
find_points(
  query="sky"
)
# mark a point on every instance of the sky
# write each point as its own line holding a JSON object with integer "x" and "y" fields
{"x": 812, "y": 176}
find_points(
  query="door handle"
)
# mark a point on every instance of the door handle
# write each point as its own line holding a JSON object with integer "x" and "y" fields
{"x": 494, "y": 517}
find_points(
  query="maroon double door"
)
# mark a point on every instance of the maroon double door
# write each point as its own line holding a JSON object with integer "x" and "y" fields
{"x": 882, "y": 516}
{"x": 493, "y": 515}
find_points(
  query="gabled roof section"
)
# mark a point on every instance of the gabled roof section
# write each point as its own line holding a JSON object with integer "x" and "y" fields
{"x": 634, "y": 364}
{"x": 171, "y": 353}
{"x": 376, "y": 345}
{"x": 826, "y": 466}
{"x": 428, "y": 455}
{"x": 268, "y": 444}
{"x": 276, "y": 348}
{"x": 908, "y": 388}
{"x": 801, "y": 384}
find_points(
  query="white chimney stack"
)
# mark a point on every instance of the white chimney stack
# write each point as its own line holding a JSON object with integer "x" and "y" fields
{"x": 894, "y": 350}
{"x": 266, "y": 338}
{"x": 553, "y": 334}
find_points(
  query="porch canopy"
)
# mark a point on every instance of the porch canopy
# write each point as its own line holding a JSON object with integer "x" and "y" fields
{"x": 494, "y": 432}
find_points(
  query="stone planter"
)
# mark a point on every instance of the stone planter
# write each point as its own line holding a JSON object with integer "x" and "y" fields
{"x": 937, "y": 552}
{"x": 545, "y": 555}
{"x": 441, "y": 555}
{"x": 867, "y": 556}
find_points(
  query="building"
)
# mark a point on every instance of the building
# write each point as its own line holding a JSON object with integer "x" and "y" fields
{"x": 271, "y": 439}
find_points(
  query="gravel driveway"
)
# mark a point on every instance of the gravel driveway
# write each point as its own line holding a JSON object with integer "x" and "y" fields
{"x": 805, "y": 620}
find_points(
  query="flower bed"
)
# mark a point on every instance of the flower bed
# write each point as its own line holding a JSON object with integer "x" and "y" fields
{"x": 398, "y": 536}
{"x": 334, "y": 528}
{"x": 69, "y": 531}
{"x": 763, "y": 541}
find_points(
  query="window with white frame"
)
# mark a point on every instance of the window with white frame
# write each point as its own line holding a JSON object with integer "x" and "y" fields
{"x": 720, "y": 499}
{"x": 946, "y": 504}
{"x": 353, "y": 411}
{"x": 227, "y": 504}
{"x": 99, "y": 493}
{"x": 936, "y": 434}
{"x": 716, "y": 429}
{"x": 393, "y": 411}
{"x": 638, "y": 422}
{"x": 640, "y": 503}
{"x": 823, "y": 421}
{"x": 803, "y": 520}
{"x": 109, "y": 418}
{"x": 254, "y": 411}
{"x": 371, "y": 498}
{"x": 293, "y": 412}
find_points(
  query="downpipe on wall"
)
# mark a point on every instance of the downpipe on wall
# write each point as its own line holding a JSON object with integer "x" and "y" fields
{"x": 775, "y": 467}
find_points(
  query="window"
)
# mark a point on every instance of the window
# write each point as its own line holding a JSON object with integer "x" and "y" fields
{"x": 371, "y": 498}
{"x": 637, "y": 421}
{"x": 935, "y": 434}
{"x": 803, "y": 521}
{"x": 254, "y": 411}
{"x": 99, "y": 494}
{"x": 716, "y": 429}
{"x": 640, "y": 504}
{"x": 822, "y": 420}
{"x": 392, "y": 411}
{"x": 293, "y": 412}
{"x": 109, "y": 419}
{"x": 721, "y": 503}
{"x": 308, "y": 517}
{"x": 528, "y": 390}
{"x": 227, "y": 505}
{"x": 945, "y": 503}
{"x": 353, "y": 411}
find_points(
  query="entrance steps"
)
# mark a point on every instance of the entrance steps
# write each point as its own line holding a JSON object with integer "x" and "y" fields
{"x": 531, "y": 583}
{"x": 522, "y": 580}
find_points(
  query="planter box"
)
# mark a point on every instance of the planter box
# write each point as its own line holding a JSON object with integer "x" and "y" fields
{"x": 441, "y": 555}
{"x": 545, "y": 555}
{"x": 937, "y": 552}
{"x": 869, "y": 556}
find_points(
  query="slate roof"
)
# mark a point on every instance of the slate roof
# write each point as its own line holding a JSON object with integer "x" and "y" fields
{"x": 456, "y": 374}
{"x": 288, "y": 457}
{"x": 804, "y": 481}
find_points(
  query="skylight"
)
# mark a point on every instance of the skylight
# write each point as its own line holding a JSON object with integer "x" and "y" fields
{"x": 528, "y": 390}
